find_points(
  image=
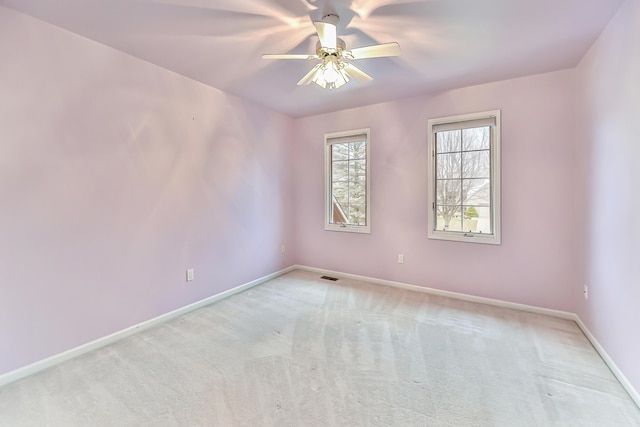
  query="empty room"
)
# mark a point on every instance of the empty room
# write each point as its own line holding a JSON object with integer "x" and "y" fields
{"x": 319, "y": 213}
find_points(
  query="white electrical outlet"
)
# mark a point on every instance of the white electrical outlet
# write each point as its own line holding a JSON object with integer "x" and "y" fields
{"x": 586, "y": 292}
{"x": 283, "y": 249}
{"x": 189, "y": 274}
{"x": 400, "y": 258}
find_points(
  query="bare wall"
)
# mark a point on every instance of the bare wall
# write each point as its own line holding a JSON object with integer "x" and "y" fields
{"x": 115, "y": 177}
{"x": 608, "y": 146}
{"x": 535, "y": 263}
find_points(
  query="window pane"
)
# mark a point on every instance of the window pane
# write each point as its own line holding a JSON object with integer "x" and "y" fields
{"x": 357, "y": 195}
{"x": 448, "y": 192}
{"x": 449, "y": 165}
{"x": 341, "y": 193}
{"x": 477, "y": 219}
{"x": 357, "y": 150}
{"x": 359, "y": 180}
{"x": 476, "y": 164}
{"x": 340, "y": 171}
{"x": 339, "y": 151}
{"x": 357, "y": 214}
{"x": 357, "y": 170}
{"x": 337, "y": 214}
{"x": 448, "y": 218}
{"x": 448, "y": 141}
{"x": 475, "y": 139}
{"x": 476, "y": 192}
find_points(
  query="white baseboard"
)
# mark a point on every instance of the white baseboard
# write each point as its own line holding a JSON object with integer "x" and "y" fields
{"x": 633, "y": 393}
{"x": 109, "y": 339}
{"x": 449, "y": 294}
{"x": 523, "y": 307}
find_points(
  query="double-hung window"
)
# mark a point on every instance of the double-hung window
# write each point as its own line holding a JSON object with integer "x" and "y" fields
{"x": 347, "y": 191}
{"x": 464, "y": 185}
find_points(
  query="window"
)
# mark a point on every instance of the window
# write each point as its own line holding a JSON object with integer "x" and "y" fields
{"x": 347, "y": 181}
{"x": 464, "y": 186}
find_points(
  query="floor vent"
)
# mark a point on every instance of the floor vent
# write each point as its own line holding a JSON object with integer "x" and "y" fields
{"x": 333, "y": 279}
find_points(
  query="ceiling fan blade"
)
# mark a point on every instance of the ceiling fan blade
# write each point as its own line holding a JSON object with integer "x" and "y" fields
{"x": 308, "y": 78}
{"x": 375, "y": 51}
{"x": 327, "y": 34}
{"x": 289, "y": 56}
{"x": 356, "y": 73}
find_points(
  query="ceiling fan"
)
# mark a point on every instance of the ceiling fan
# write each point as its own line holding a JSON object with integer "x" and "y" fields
{"x": 335, "y": 70}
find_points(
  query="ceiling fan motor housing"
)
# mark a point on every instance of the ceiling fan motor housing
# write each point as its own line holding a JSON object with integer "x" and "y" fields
{"x": 323, "y": 52}
{"x": 331, "y": 18}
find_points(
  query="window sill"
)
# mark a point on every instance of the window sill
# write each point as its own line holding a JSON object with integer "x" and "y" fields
{"x": 348, "y": 228}
{"x": 488, "y": 239}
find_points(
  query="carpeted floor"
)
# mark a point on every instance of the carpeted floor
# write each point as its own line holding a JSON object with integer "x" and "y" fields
{"x": 301, "y": 351}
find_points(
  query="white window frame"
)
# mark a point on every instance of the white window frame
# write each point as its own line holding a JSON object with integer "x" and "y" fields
{"x": 330, "y": 139}
{"x": 452, "y": 123}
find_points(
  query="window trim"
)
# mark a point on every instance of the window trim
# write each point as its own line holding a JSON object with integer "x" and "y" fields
{"x": 460, "y": 236}
{"x": 328, "y": 205}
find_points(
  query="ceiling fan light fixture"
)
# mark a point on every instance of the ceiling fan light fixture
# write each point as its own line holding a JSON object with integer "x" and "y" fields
{"x": 332, "y": 74}
{"x": 342, "y": 77}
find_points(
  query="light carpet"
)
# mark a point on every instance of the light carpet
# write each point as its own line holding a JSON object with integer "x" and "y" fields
{"x": 301, "y": 351}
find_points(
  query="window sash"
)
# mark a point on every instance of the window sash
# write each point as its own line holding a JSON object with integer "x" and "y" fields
{"x": 461, "y": 206}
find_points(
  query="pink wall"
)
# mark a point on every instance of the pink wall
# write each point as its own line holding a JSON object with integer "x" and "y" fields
{"x": 115, "y": 177}
{"x": 608, "y": 146}
{"x": 534, "y": 265}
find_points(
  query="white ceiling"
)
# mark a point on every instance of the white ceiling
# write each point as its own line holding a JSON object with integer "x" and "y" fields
{"x": 445, "y": 43}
